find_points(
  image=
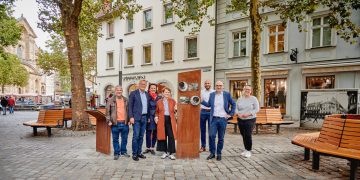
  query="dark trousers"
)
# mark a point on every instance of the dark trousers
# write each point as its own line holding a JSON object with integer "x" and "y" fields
{"x": 204, "y": 117}
{"x": 167, "y": 145}
{"x": 123, "y": 130}
{"x": 151, "y": 136}
{"x": 246, "y": 127}
{"x": 138, "y": 135}
{"x": 218, "y": 126}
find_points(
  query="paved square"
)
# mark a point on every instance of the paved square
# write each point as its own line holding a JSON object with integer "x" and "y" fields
{"x": 68, "y": 155}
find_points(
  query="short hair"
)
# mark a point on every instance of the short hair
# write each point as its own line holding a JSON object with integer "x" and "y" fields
{"x": 118, "y": 86}
{"x": 166, "y": 88}
{"x": 142, "y": 80}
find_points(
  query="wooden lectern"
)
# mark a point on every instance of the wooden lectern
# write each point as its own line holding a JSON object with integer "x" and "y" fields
{"x": 102, "y": 131}
{"x": 188, "y": 122}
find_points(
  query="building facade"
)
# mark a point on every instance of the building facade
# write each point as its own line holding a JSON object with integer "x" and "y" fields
{"x": 149, "y": 46}
{"x": 324, "y": 60}
{"x": 26, "y": 50}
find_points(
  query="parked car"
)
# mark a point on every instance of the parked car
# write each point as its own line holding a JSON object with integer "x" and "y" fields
{"x": 25, "y": 105}
{"x": 49, "y": 106}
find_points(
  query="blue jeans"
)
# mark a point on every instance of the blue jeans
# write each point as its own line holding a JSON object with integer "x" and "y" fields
{"x": 204, "y": 116}
{"x": 123, "y": 129}
{"x": 138, "y": 135}
{"x": 4, "y": 109}
{"x": 11, "y": 109}
{"x": 218, "y": 126}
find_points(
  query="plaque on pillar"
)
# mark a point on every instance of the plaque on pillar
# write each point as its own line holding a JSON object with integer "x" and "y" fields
{"x": 188, "y": 123}
{"x": 102, "y": 131}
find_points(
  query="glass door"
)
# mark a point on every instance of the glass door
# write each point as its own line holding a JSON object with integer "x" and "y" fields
{"x": 275, "y": 94}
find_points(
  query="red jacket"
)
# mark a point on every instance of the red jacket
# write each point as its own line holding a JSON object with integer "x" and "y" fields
{"x": 11, "y": 102}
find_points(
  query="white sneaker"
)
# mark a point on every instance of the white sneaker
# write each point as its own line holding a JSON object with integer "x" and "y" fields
{"x": 164, "y": 155}
{"x": 247, "y": 154}
{"x": 172, "y": 157}
{"x": 243, "y": 153}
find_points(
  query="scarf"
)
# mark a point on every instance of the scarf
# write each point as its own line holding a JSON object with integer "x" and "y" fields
{"x": 153, "y": 95}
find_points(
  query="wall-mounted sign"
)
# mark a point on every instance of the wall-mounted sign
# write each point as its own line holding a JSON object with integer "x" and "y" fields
{"x": 130, "y": 78}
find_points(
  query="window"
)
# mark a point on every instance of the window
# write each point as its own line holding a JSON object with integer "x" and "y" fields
{"x": 19, "y": 52}
{"x": 130, "y": 24}
{"x": 239, "y": 43}
{"x": 276, "y": 38}
{"x": 236, "y": 88}
{"x": 321, "y": 32}
{"x": 168, "y": 51}
{"x": 147, "y": 54}
{"x": 129, "y": 57}
{"x": 110, "y": 60}
{"x": 191, "y": 47}
{"x": 275, "y": 93}
{"x": 147, "y": 19}
{"x": 110, "y": 29}
{"x": 320, "y": 82}
{"x": 193, "y": 7}
{"x": 168, "y": 14}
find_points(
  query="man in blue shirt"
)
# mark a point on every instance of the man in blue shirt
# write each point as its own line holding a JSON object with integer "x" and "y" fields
{"x": 139, "y": 114}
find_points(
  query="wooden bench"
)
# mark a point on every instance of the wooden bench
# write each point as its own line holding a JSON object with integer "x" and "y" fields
{"x": 338, "y": 137}
{"x": 265, "y": 117}
{"x": 67, "y": 116}
{"x": 92, "y": 119}
{"x": 47, "y": 119}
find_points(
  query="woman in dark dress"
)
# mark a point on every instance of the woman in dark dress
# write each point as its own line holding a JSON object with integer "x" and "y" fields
{"x": 151, "y": 125}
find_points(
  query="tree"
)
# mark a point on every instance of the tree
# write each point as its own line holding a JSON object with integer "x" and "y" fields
{"x": 73, "y": 19}
{"x": 10, "y": 65}
{"x": 10, "y": 32}
{"x": 12, "y": 72}
{"x": 294, "y": 10}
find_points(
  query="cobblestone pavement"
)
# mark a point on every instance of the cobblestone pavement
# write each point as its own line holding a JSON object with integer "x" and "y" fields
{"x": 23, "y": 156}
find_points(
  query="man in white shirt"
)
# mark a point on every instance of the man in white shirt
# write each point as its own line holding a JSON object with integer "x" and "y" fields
{"x": 205, "y": 114}
{"x": 222, "y": 107}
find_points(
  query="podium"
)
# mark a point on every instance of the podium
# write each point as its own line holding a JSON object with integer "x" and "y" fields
{"x": 188, "y": 123}
{"x": 102, "y": 131}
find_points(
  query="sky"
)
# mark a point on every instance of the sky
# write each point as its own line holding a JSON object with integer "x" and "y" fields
{"x": 29, "y": 9}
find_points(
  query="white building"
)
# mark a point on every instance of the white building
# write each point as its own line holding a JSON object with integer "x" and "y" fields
{"x": 324, "y": 60}
{"x": 150, "y": 47}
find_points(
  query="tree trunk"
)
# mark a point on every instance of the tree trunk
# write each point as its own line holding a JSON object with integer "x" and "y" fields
{"x": 2, "y": 89}
{"x": 71, "y": 31}
{"x": 255, "y": 60}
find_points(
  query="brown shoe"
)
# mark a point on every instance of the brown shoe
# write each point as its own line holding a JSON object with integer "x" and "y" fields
{"x": 202, "y": 149}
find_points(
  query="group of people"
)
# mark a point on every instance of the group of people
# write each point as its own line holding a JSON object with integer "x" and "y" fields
{"x": 146, "y": 111}
{"x": 154, "y": 113}
{"x": 7, "y": 103}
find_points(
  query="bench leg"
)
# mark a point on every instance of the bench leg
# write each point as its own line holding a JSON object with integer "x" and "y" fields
{"x": 35, "y": 131}
{"x": 306, "y": 154}
{"x": 65, "y": 123}
{"x": 353, "y": 168}
{"x": 48, "y": 131}
{"x": 257, "y": 128}
{"x": 277, "y": 129}
{"x": 316, "y": 160}
{"x": 235, "y": 128}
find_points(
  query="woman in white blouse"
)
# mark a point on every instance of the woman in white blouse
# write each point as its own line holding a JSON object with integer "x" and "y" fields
{"x": 246, "y": 108}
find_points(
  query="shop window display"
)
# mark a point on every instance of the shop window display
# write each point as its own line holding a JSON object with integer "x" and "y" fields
{"x": 236, "y": 87}
{"x": 275, "y": 93}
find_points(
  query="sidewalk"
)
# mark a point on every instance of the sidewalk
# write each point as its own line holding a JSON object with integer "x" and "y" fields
{"x": 23, "y": 156}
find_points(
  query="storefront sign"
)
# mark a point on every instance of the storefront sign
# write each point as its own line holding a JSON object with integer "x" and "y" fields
{"x": 131, "y": 78}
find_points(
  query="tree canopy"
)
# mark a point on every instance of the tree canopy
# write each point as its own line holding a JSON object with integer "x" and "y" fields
{"x": 12, "y": 72}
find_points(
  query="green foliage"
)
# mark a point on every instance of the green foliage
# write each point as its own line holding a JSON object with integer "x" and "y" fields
{"x": 10, "y": 32}
{"x": 12, "y": 72}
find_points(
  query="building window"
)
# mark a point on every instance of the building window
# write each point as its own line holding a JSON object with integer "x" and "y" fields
{"x": 275, "y": 93}
{"x": 110, "y": 60}
{"x": 147, "y": 19}
{"x": 239, "y": 43}
{"x": 321, "y": 32}
{"x": 129, "y": 57}
{"x": 191, "y": 47}
{"x": 236, "y": 88}
{"x": 130, "y": 24}
{"x": 110, "y": 29}
{"x": 276, "y": 38}
{"x": 168, "y": 51}
{"x": 320, "y": 82}
{"x": 168, "y": 14}
{"x": 19, "y": 52}
{"x": 147, "y": 54}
